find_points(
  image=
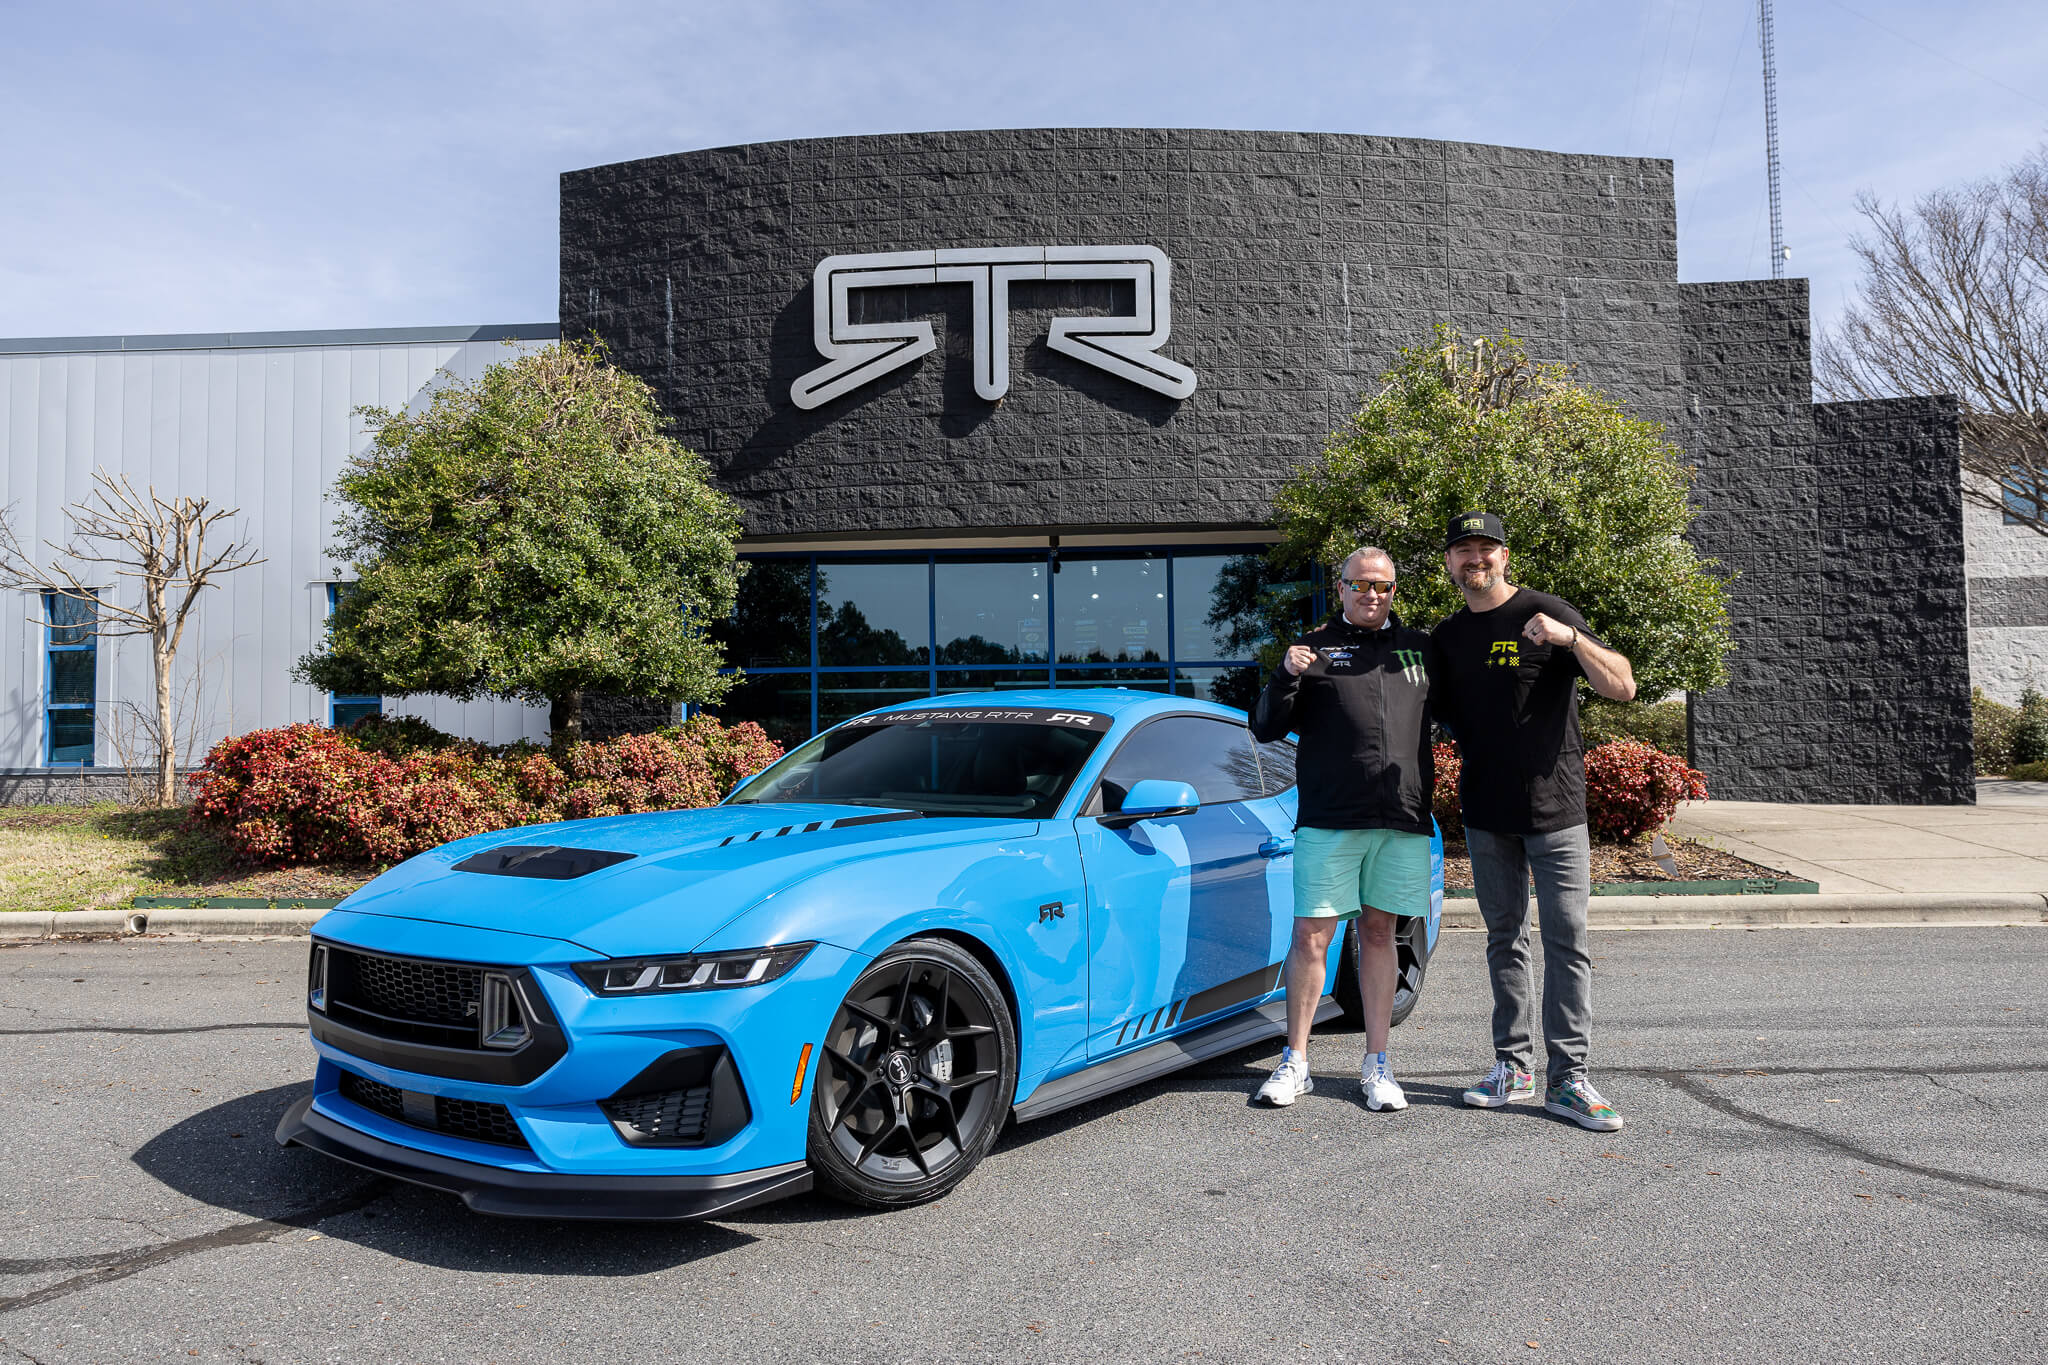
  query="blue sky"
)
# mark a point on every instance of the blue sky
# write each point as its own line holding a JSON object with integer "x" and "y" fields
{"x": 213, "y": 167}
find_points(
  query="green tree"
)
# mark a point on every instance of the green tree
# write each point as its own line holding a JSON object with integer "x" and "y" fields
{"x": 531, "y": 535}
{"x": 1594, "y": 502}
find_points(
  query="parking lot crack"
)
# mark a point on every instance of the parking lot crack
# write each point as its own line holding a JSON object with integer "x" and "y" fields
{"x": 35, "y": 1360}
{"x": 106, "y": 1267}
{"x": 1939, "y": 1084}
{"x": 1691, "y": 1084}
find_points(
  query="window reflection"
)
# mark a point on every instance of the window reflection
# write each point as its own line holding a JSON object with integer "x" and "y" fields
{"x": 779, "y": 703}
{"x": 1111, "y": 610}
{"x": 771, "y": 620}
{"x": 991, "y": 613}
{"x": 874, "y": 613}
{"x": 841, "y": 696}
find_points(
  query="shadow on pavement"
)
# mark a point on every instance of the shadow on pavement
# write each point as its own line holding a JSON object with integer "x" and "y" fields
{"x": 226, "y": 1157}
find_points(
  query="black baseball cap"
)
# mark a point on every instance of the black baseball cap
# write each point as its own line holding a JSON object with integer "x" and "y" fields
{"x": 1466, "y": 525}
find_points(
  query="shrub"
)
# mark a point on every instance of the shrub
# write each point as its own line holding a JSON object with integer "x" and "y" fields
{"x": 1992, "y": 722}
{"x": 2028, "y": 772}
{"x": 2030, "y": 730}
{"x": 1631, "y": 789}
{"x": 308, "y": 794}
{"x": 1661, "y": 725}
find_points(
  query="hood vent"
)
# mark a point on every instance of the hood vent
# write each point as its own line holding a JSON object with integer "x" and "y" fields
{"x": 549, "y": 862}
{"x": 815, "y": 825}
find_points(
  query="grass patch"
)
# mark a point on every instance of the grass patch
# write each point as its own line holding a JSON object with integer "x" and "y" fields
{"x": 101, "y": 857}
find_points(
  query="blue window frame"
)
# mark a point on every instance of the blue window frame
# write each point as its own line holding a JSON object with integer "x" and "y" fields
{"x": 824, "y": 637}
{"x": 70, "y": 679}
{"x": 2020, "y": 510}
{"x": 343, "y": 711}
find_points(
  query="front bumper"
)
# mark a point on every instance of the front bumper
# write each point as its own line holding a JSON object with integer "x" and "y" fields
{"x": 537, "y": 1194}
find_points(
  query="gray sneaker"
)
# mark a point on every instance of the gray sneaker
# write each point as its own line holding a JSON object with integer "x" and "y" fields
{"x": 1502, "y": 1085}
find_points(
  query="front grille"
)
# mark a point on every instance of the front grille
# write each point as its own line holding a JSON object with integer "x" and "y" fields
{"x": 476, "y": 1120}
{"x": 427, "y": 992}
{"x": 669, "y": 1116}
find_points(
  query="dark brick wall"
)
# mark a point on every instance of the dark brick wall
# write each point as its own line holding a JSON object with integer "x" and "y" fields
{"x": 1748, "y": 429}
{"x": 1894, "y": 600}
{"x": 1301, "y": 261}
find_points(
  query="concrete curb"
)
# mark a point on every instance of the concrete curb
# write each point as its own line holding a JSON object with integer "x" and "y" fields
{"x": 1824, "y": 908}
{"x": 1607, "y": 912}
{"x": 255, "y": 922}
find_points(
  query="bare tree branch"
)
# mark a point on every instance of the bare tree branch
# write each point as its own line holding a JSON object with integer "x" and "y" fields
{"x": 1955, "y": 300}
{"x": 158, "y": 542}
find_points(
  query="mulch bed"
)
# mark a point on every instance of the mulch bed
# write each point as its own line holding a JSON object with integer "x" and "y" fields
{"x": 1696, "y": 862}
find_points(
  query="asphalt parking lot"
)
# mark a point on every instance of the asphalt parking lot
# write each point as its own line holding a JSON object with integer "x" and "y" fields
{"x": 1834, "y": 1152}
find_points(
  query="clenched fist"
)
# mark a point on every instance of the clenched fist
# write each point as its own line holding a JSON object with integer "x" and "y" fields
{"x": 1546, "y": 630}
{"x": 1299, "y": 657}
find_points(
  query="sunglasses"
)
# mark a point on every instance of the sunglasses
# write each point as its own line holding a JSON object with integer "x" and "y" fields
{"x": 1382, "y": 586}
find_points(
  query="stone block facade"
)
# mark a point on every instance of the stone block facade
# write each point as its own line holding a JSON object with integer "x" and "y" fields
{"x": 1301, "y": 262}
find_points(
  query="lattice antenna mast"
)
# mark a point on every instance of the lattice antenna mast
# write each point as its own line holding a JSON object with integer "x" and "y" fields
{"x": 1779, "y": 251}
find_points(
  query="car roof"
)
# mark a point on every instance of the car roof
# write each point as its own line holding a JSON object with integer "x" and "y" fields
{"x": 1126, "y": 706}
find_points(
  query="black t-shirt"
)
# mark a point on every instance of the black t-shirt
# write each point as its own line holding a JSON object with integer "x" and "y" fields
{"x": 1514, "y": 708}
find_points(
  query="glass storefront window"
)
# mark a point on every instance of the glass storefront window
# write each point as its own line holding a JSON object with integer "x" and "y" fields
{"x": 771, "y": 621}
{"x": 991, "y": 613}
{"x": 844, "y": 695}
{"x": 1111, "y": 610}
{"x": 1222, "y": 605}
{"x": 780, "y": 703}
{"x": 991, "y": 680}
{"x": 1003, "y": 621}
{"x": 1138, "y": 679}
{"x": 874, "y": 614}
{"x": 1239, "y": 687}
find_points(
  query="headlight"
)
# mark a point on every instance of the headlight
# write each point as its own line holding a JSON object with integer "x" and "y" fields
{"x": 694, "y": 972}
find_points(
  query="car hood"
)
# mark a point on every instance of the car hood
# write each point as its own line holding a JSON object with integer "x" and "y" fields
{"x": 690, "y": 871}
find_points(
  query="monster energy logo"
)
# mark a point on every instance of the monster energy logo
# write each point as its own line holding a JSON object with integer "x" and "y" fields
{"x": 1411, "y": 665}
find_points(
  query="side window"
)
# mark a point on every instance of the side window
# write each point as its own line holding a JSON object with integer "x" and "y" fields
{"x": 1214, "y": 755}
{"x": 1276, "y": 764}
{"x": 343, "y": 711}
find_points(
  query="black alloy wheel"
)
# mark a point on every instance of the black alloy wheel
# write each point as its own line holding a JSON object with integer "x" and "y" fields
{"x": 919, "y": 1069}
{"x": 1411, "y": 964}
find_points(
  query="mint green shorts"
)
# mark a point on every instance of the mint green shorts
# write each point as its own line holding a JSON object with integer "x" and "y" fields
{"x": 1338, "y": 870}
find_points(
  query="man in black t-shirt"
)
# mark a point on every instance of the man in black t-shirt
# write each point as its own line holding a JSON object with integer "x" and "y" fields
{"x": 1506, "y": 668}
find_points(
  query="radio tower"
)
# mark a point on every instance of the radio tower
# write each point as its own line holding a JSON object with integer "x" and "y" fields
{"x": 1778, "y": 249}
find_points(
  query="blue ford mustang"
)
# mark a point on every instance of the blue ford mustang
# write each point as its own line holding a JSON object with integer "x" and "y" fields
{"x": 917, "y": 924}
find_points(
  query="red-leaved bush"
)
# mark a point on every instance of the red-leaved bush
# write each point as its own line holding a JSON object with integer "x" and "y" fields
{"x": 1631, "y": 789}
{"x": 308, "y": 794}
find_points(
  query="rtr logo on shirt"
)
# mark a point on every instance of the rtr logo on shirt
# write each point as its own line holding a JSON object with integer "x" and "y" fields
{"x": 1503, "y": 654}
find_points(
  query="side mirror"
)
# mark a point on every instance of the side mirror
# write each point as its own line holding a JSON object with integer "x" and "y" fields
{"x": 1151, "y": 799}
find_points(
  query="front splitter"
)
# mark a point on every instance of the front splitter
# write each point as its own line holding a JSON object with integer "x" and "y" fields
{"x": 537, "y": 1194}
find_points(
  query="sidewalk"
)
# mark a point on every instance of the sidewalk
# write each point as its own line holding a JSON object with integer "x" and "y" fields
{"x": 1998, "y": 846}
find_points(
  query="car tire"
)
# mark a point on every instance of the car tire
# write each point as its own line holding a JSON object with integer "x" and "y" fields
{"x": 1411, "y": 966}
{"x": 915, "y": 1079}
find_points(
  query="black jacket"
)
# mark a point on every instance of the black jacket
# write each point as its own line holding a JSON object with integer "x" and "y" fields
{"x": 1362, "y": 711}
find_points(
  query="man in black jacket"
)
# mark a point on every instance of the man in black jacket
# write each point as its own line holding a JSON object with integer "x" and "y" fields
{"x": 1357, "y": 693}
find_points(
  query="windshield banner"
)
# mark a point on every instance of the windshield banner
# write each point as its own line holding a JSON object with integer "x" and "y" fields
{"x": 986, "y": 715}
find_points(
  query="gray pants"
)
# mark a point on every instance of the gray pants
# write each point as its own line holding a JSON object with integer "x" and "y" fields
{"x": 1562, "y": 866}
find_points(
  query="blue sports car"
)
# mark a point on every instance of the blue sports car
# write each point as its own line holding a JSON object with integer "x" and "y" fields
{"x": 918, "y": 924}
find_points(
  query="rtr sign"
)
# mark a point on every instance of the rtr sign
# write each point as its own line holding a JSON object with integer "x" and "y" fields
{"x": 858, "y": 353}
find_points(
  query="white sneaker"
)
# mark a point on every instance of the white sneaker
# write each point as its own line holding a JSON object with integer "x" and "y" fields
{"x": 1289, "y": 1080}
{"x": 1378, "y": 1083}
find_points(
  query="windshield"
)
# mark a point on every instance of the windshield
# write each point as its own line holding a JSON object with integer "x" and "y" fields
{"x": 938, "y": 765}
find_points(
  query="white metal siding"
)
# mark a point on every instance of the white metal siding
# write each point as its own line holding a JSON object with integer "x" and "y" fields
{"x": 262, "y": 429}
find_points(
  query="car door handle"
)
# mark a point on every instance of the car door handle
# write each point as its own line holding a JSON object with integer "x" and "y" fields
{"x": 1276, "y": 848}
